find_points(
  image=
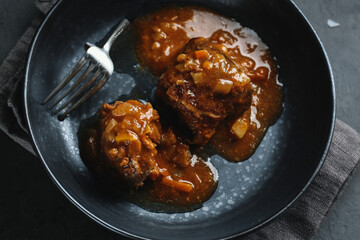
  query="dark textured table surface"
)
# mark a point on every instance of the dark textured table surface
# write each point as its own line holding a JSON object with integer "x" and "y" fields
{"x": 33, "y": 208}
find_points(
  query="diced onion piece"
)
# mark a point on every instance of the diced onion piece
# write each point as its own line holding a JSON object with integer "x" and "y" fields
{"x": 191, "y": 64}
{"x": 223, "y": 86}
{"x": 242, "y": 79}
{"x": 154, "y": 133}
{"x": 158, "y": 35}
{"x": 239, "y": 128}
{"x": 126, "y": 136}
{"x": 184, "y": 186}
{"x": 197, "y": 77}
{"x": 181, "y": 57}
{"x": 202, "y": 54}
{"x": 113, "y": 152}
{"x": 110, "y": 125}
{"x": 207, "y": 65}
{"x": 180, "y": 82}
{"x": 123, "y": 109}
{"x": 155, "y": 45}
{"x": 132, "y": 139}
{"x": 221, "y": 48}
{"x": 147, "y": 129}
{"x": 124, "y": 161}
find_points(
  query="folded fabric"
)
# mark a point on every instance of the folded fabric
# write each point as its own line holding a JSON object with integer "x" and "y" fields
{"x": 299, "y": 222}
{"x": 303, "y": 219}
{"x": 12, "y": 120}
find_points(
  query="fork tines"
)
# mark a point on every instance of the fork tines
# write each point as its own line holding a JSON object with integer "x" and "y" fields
{"x": 94, "y": 77}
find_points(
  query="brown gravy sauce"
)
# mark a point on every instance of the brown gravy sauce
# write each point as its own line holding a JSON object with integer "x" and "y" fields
{"x": 164, "y": 33}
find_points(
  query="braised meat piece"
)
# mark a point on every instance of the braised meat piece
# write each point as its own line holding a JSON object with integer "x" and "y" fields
{"x": 205, "y": 87}
{"x": 135, "y": 148}
{"x": 176, "y": 150}
{"x": 129, "y": 134}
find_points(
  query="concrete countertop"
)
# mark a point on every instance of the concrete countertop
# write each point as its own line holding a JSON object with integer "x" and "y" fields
{"x": 33, "y": 208}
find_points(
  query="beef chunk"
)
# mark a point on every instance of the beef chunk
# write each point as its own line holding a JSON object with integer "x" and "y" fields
{"x": 130, "y": 132}
{"x": 204, "y": 87}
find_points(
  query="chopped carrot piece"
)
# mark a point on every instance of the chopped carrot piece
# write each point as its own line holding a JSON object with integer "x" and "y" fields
{"x": 207, "y": 65}
{"x": 184, "y": 186}
{"x": 201, "y": 54}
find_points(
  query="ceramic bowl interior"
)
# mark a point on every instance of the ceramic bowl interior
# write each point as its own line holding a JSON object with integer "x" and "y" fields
{"x": 250, "y": 193}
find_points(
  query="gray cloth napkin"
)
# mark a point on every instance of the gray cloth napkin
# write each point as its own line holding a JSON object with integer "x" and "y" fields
{"x": 299, "y": 222}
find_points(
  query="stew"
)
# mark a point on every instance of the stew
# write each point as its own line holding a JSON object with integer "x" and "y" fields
{"x": 220, "y": 79}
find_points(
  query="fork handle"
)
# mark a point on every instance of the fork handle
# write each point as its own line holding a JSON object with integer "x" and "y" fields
{"x": 119, "y": 29}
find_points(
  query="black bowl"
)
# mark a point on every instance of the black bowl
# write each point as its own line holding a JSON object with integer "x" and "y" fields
{"x": 250, "y": 194}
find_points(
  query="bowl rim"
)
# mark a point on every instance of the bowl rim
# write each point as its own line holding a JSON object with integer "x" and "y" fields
{"x": 134, "y": 236}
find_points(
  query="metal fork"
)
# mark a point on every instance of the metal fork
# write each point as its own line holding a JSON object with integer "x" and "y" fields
{"x": 100, "y": 66}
